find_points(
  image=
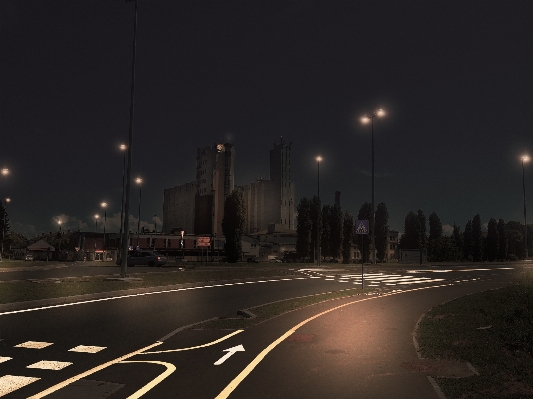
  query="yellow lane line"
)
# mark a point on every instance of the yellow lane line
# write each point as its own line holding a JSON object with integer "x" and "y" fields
{"x": 196, "y": 347}
{"x": 248, "y": 369}
{"x": 63, "y": 384}
{"x": 170, "y": 369}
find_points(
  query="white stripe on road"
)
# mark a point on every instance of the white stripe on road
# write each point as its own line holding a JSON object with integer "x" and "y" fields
{"x": 10, "y": 383}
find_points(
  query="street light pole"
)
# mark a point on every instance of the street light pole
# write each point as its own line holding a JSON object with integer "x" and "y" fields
{"x": 139, "y": 182}
{"x": 319, "y": 212}
{"x": 123, "y": 148}
{"x": 371, "y": 117}
{"x": 104, "y": 205}
{"x": 125, "y": 243}
{"x": 4, "y": 227}
{"x": 524, "y": 158}
{"x": 95, "y": 233}
{"x": 59, "y": 223}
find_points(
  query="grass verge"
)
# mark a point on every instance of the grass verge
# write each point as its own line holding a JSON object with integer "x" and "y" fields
{"x": 493, "y": 330}
{"x": 20, "y": 291}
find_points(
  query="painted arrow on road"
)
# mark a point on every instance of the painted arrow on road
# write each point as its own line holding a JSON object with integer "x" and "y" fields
{"x": 231, "y": 351}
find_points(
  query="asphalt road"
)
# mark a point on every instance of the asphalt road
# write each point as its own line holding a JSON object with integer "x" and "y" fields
{"x": 354, "y": 351}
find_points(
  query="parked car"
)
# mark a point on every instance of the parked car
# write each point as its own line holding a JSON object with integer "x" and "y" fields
{"x": 142, "y": 257}
{"x": 28, "y": 257}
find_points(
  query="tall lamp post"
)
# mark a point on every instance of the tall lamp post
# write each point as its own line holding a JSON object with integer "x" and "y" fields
{"x": 125, "y": 240}
{"x": 319, "y": 213}
{"x": 7, "y": 200}
{"x": 524, "y": 158}
{"x": 139, "y": 182}
{"x": 366, "y": 119}
{"x": 123, "y": 148}
{"x": 104, "y": 205}
{"x": 95, "y": 233}
{"x": 59, "y": 223}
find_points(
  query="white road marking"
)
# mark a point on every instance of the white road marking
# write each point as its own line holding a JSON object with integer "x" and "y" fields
{"x": 10, "y": 383}
{"x": 170, "y": 369}
{"x": 127, "y": 296}
{"x": 33, "y": 345}
{"x": 87, "y": 349}
{"x": 49, "y": 365}
{"x": 196, "y": 347}
{"x": 63, "y": 384}
{"x": 231, "y": 351}
{"x": 4, "y": 359}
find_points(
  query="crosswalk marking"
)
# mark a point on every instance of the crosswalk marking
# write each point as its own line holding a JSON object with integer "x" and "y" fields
{"x": 10, "y": 383}
{"x": 49, "y": 365}
{"x": 4, "y": 359}
{"x": 33, "y": 345}
{"x": 87, "y": 349}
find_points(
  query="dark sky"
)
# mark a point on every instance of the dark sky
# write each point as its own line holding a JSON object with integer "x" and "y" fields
{"x": 455, "y": 77}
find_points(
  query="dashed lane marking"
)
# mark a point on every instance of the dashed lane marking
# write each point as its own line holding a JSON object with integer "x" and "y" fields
{"x": 87, "y": 349}
{"x": 10, "y": 383}
{"x": 49, "y": 365}
{"x": 33, "y": 345}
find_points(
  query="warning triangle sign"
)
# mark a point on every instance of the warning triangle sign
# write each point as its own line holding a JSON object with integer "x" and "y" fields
{"x": 361, "y": 227}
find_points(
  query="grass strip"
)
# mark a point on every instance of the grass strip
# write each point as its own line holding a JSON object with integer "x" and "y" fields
{"x": 270, "y": 310}
{"x": 493, "y": 330}
{"x": 21, "y": 291}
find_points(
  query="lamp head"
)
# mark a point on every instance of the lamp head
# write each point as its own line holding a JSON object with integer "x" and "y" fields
{"x": 5, "y": 171}
{"x": 319, "y": 158}
{"x": 8, "y": 200}
{"x": 103, "y": 205}
{"x": 96, "y": 217}
{"x": 123, "y": 147}
{"x": 525, "y": 158}
{"x": 138, "y": 180}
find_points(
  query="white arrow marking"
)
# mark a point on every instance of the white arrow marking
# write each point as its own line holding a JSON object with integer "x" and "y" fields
{"x": 231, "y": 351}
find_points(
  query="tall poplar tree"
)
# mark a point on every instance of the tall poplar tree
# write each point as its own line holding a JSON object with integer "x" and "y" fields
{"x": 233, "y": 225}
{"x": 304, "y": 226}
{"x": 502, "y": 241}
{"x": 467, "y": 242}
{"x": 325, "y": 231}
{"x": 492, "y": 240}
{"x": 336, "y": 231}
{"x": 363, "y": 240}
{"x": 411, "y": 232}
{"x": 348, "y": 236}
{"x": 435, "y": 226}
{"x": 382, "y": 231}
{"x": 316, "y": 219}
{"x": 477, "y": 239}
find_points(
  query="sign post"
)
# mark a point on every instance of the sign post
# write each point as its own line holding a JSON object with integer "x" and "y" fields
{"x": 361, "y": 227}
{"x": 204, "y": 242}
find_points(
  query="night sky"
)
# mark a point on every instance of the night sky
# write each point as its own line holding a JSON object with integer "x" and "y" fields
{"x": 455, "y": 78}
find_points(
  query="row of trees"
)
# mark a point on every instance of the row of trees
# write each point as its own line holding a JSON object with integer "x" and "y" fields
{"x": 334, "y": 230}
{"x": 503, "y": 241}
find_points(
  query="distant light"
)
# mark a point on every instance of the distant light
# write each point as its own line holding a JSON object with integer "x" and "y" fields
{"x": 104, "y": 205}
{"x": 525, "y": 158}
{"x": 59, "y": 222}
{"x": 123, "y": 147}
{"x": 365, "y": 119}
{"x": 8, "y": 200}
{"x": 138, "y": 180}
{"x": 5, "y": 171}
{"x": 96, "y": 216}
{"x": 319, "y": 158}
{"x": 380, "y": 112}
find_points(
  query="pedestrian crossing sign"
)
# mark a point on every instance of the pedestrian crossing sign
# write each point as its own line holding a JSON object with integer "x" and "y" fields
{"x": 361, "y": 227}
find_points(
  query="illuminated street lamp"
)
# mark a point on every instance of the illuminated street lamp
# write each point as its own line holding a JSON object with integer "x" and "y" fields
{"x": 139, "y": 182}
{"x": 319, "y": 213}
{"x": 104, "y": 205}
{"x": 5, "y": 171}
{"x": 524, "y": 158}
{"x": 366, "y": 119}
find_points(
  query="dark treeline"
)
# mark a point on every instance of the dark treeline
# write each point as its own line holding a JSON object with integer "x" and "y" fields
{"x": 502, "y": 241}
{"x": 334, "y": 230}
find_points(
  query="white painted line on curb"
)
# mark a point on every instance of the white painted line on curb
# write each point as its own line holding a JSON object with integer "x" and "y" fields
{"x": 170, "y": 369}
{"x": 437, "y": 389}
